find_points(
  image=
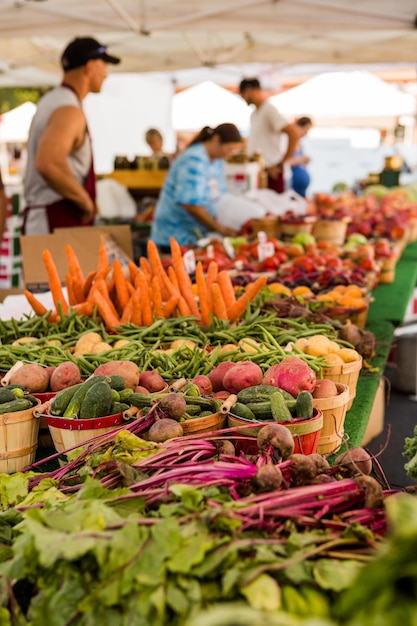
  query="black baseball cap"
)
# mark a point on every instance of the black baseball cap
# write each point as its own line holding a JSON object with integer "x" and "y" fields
{"x": 83, "y": 49}
{"x": 249, "y": 83}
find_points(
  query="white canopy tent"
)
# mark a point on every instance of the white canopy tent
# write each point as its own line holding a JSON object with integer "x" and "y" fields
{"x": 165, "y": 35}
{"x": 207, "y": 104}
{"x": 355, "y": 98}
{"x": 14, "y": 125}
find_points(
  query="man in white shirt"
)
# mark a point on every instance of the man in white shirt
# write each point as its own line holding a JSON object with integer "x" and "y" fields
{"x": 266, "y": 129}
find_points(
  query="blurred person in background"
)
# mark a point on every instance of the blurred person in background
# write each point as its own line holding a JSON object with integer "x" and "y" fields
{"x": 186, "y": 208}
{"x": 59, "y": 182}
{"x": 300, "y": 178}
{"x": 3, "y": 210}
{"x": 267, "y": 126}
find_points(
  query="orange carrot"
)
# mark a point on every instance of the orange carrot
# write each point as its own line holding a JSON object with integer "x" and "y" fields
{"x": 70, "y": 290}
{"x": 239, "y": 307}
{"x": 145, "y": 300}
{"x": 173, "y": 277}
{"x": 133, "y": 270}
{"x": 37, "y": 306}
{"x": 127, "y": 313}
{"x": 211, "y": 277}
{"x": 77, "y": 275}
{"x": 136, "y": 310}
{"x": 219, "y": 307}
{"x": 84, "y": 308}
{"x": 101, "y": 287}
{"x": 183, "y": 307}
{"x": 226, "y": 286}
{"x": 109, "y": 318}
{"x": 103, "y": 259}
{"x": 202, "y": 294}
{"x": 156, "y": 297}
{"x": 184, "y": 280}
{"x": 54, "y": 282}
{"x": 130, "y": 288}
{"x": 88, "y": 283}
{"x": 145, "y": 267}
{"x": 156, "y": 266}
{"x": 122, "y": 291}
{"x": 170, "y": 306}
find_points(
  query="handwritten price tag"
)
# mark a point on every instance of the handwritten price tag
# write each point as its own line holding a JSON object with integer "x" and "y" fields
{"x": 265, "y": 250}
{"x": 189, "y": 261}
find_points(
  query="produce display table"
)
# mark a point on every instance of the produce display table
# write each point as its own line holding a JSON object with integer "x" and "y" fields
{"x": 391, "y": 299}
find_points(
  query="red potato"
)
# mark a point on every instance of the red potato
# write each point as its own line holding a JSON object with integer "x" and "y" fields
{"x": 32, "y": 377}
{"x": 221, "y": 395}
{"x": 152, "y": 380}
{"x": 325, "y": 388}
{"x": 242, "y": 375}
{"x": 217, "y": 374}
{"x": 127, "y": 369}
{"x": 65, "y": 375}
{"x": 204, "y": 384}
{"x": 291, "y": 374}
{"x": 140, "y": 389}
{"x": 50, "y": 370}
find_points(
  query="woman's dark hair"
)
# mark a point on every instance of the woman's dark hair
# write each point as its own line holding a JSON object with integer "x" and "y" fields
{"x": 304, "y": 121}
{"x": 228, "y": 133}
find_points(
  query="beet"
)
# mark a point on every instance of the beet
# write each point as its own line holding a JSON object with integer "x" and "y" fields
{"x": 172, "y": 405}
{"x": 224, "y": 446}
{"x": 356, "y": 461}
{"x": 164, "y": 429}
{"x": 350, "y": 333}
{"x": 366, "y": 346}
{"x": 267, "y": 478}
{"x": 291, "y": 374}
{"x": 374, "y": 495}
{"x": 277, "y": 436}
{"x": 322, "y": 464}
{"x": 303, "y": 469}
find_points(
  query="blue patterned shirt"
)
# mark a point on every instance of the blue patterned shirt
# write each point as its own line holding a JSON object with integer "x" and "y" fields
{"x": 192, "y": 179}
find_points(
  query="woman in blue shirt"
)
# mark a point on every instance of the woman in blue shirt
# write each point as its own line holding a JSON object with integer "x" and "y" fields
{"x": 186, "y": 208}
{"x": 298, "y": 161}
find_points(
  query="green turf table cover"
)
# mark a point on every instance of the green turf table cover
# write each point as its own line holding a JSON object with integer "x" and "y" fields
{"x": 357, "y": 418}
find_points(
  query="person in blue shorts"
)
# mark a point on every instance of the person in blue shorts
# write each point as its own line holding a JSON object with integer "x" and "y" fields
{"x": 186, "y": 208}
{"x": 298, "y": 161}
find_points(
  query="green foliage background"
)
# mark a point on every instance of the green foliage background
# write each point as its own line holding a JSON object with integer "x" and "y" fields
{"x": 11, "y": 97}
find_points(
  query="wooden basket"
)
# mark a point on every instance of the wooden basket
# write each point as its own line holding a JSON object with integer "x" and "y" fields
{"x": 331, "y": 230}
{"x": 206, "y": 424}
{"x": 347, "y": 374}
{"x": 334, "y": 412}
{"x": 306, "y": 433}
{"x": 268, "y": 224}
{"x": 67, "y": 433}
{"x": 289, "y": 228}
{"x": 18, "y": 440}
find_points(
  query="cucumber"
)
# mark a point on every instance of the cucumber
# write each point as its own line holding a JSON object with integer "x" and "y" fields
{"x": 304, "y": 405}
{"x": 205, "y": 403}
{"x": 115, "y": 395}
{"x": 256, "y": 393}
{"x": 262, "y": 410}
{"x": 116, "y": 382}
{"x": 18, "y": 404}
{"x": 74, "y": 405}
{"x": 32, "y": 399}
{"x": 279, "y": 408}
{"x": 125, "y": 394}
{"x": 97, "y": 401}
{"x": 141, "y": 400}
{"x": 242, "y": 410}
{"x": 61, "y": 400}
{"x": 6, "y": 395}
{"x": 194, "y": 409}
{"x": 118, "y": 407}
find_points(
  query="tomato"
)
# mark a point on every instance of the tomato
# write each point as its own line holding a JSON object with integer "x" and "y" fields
{"x": 271, "y": 263}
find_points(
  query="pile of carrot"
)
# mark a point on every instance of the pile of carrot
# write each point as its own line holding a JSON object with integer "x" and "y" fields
{"x": 146, "y": 292}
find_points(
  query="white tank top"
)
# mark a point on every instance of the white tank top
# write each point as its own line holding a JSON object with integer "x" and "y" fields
{"x": 36, "y": 190}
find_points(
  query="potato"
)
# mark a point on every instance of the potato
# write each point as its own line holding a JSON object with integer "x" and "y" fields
{"x": 317, "y": 345}
{"x": 22, "y": 340}
{"x": 65, "y": 375}
{"x": 349, "y": 355}
{"x": 218, "y": 373}
{"x": 86, "y": 342}
{"x": 127, "y": 369}
{"x": 242, "y": 375}
{"x": 32, "y": 377}
{"x": 152, "y": 380}
{"x": 102, "y": 346}
{"x": 120, "y": 343}
{"x": 178, "y": 344}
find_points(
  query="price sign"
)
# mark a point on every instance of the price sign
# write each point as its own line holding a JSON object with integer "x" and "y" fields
{"x": 189, "y": 261}
{"x": 229, "y": 249}
{"x": 265, "y": 250}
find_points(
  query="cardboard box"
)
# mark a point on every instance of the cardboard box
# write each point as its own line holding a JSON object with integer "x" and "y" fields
{"x": 86, "y": 243}
{"x": 11, "y": 291}
{"x": 377, "y": 417}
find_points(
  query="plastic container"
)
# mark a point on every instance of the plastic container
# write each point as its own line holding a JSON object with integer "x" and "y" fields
{"x": 306, "y": 433}
{"x": 347, "y": 374}
{"x": 18, "y": 440}
{"x": 334, "y": 413}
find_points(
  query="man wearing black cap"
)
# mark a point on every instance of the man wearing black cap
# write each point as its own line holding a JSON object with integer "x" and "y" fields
{"x": 267, "y": 126}
{"x": 59, "y": 186}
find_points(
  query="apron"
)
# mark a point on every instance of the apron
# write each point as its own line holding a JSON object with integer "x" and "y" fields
{"x": 65, "y": 213}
